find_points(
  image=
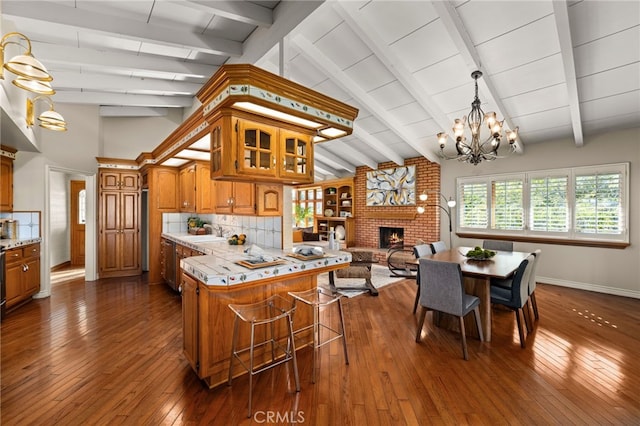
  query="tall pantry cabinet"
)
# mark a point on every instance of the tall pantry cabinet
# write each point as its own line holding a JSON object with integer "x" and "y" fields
{"x": 119, "y": 223}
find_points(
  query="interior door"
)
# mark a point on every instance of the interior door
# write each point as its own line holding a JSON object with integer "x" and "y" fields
{"x": 78, "y": 220}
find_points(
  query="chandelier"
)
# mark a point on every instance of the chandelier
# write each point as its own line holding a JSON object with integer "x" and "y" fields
{"x": 477, "y": 150}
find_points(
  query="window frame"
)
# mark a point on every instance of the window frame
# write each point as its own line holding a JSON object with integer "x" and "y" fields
{"x": 572, "y": 236}
{"x": 315, "y": 202}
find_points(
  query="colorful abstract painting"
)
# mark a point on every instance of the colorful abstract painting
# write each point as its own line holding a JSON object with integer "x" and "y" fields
{"x": 392, "y": 187}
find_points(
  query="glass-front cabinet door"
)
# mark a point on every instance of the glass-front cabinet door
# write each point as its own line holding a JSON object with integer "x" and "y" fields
{"x": 295, "y": 155}
{"x": 256, "y": 148}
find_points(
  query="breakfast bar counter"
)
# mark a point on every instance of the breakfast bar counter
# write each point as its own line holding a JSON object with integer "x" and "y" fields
{"x": 211, "y": 282}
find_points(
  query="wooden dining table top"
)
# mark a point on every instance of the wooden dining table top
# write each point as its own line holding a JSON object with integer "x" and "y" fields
{"x": 502, "y": 265}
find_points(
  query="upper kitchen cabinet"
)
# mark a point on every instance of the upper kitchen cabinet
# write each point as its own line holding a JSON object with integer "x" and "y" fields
{"x": 264, "y": 126}
{"x": 196, "y": 189}
{"x": 258, "y": 149}
{"x": 120, "y": 180}
{"x": 6, "y": 179}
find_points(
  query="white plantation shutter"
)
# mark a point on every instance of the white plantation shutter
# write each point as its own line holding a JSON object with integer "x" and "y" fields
{"x": 507, "y": 208}
{"x": 579, "y": 203}
{"x": 598, "y": 206}
{"x": 548, "y": 205}
{"x": 473, "y": 205}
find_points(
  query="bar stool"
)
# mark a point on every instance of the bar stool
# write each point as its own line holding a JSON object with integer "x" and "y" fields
{"x": 267, "y": 312}
{"x": 319, "y": 298}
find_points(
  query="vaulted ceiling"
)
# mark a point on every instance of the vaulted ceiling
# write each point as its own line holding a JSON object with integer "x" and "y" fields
{"x": 555, "y": 69}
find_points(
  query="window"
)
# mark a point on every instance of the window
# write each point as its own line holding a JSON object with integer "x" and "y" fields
{"x": 307, "y": 203}
{"x": 580, "y": 203}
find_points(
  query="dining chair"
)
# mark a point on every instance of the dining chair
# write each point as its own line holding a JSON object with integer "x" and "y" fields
{"x": 438, "y": 246}
{"x": 419, "y": 251}
{"x": 532, "y": 283}
{"x": 517, "y": 295}
{"x": 497, "y": 245}
{"x": 442, "y": 290}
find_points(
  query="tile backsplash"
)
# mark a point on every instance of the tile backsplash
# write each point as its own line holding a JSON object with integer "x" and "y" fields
{"x": 28, "y": 223}
{"x": 263, "y": 231}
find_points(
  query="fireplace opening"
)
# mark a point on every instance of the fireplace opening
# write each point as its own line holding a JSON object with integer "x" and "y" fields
{"x": 391, "y": 237}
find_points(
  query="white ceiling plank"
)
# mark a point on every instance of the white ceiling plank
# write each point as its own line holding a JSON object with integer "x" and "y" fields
{"x": 347, "y": 84}
{"x": 326, "y": 169}
{"x": 112, "y": 60}
{"x": 458, "y": 33}
{"x": 329, "y": 158}
{"x": 395, "y": 66}
{"x": 95, "y": 81}
{"x": 349, "y": 151}
{"x": 317, "y": 176}
{"x": 102, "y": 98}
{"x": 241, "y": 11}
{"x": 122, "y": 27}
{"x": 376, "y": 144}
{"x": 561, "y": 14}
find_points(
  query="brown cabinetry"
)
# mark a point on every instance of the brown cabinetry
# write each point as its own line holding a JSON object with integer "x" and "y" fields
{"x": 118, "y": 180}
{"x": 235, "y": 198}
{"x": 196, "y": 189}
{"x": 188, "y": 189}
{"x": 22, "y": 274}
{"x": 164, "y": 183}
{"x": 6, "y": 184}
{"x": 339, "y": 211}
{"x": 119, "y": 226}
{"x": 269, "y": 200}
{"x": 248, "y": 149}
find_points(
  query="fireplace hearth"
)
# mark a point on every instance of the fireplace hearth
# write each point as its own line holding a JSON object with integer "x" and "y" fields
{"x": 391, "y": 237}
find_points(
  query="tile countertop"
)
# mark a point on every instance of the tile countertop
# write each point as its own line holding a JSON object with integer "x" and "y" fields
{"x": 218, "y": 266}
{"x": 7, "y": 244}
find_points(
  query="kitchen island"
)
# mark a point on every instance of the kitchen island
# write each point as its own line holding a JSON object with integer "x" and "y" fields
{"x": 211, "y": 282}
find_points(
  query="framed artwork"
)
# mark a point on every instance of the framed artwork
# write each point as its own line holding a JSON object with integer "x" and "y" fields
{"x": 392, "y": 187}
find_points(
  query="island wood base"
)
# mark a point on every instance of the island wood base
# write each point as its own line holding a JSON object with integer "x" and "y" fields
{"x": 207, "y": 321}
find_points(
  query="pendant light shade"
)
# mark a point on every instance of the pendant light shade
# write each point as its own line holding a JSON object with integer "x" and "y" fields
{"x": 35, "y": 86}
{"x": 50, "y": 119}
{"x": 23, "y": 65}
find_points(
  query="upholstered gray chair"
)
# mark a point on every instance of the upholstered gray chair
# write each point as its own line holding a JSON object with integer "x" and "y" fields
{"x": 419, "y": 251}
{"x": 438, "y": 246}
{"x": 517, "y": 295}
{"x": 532, "y": 284}
{"x": 442, "y": 290}
{"x": 497, "y": 245}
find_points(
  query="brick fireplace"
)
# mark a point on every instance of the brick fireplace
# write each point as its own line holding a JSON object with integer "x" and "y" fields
{"x": 390, "y": 237}
{"x": 415, "y": 226}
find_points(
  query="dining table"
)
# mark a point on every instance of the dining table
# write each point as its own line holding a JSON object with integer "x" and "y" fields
{"x": 477, "y": 276}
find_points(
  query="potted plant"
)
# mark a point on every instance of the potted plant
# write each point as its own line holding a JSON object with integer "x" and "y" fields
{"x": 301, "y": 214}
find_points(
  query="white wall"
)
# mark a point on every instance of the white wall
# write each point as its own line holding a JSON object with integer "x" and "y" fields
{"x": 127, "y": 137}
{"x": 605, "y": 270}
{"x": 59, "y": 244}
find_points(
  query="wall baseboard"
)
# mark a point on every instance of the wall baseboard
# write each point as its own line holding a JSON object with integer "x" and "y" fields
{"x": 62, "y": 265}
{"x": 590, "y": 287}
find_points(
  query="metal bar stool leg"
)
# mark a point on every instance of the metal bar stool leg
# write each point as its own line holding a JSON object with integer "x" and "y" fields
{"x": 344, "y": 336}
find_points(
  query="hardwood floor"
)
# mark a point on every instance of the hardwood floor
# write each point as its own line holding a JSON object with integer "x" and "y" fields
{"x": 109, "y": 352}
